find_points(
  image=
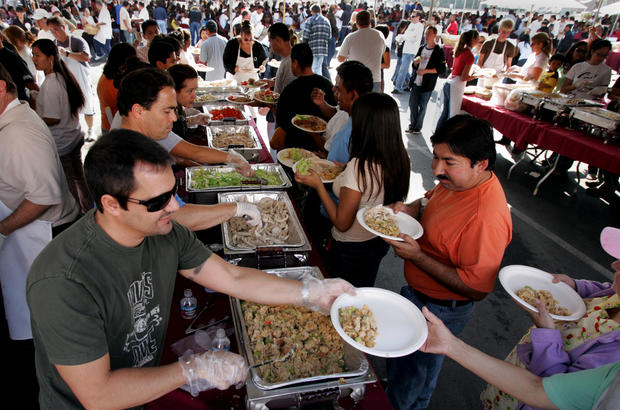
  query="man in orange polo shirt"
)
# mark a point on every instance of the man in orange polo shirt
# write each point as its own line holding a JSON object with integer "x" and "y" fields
{"x": 467, "y": 226}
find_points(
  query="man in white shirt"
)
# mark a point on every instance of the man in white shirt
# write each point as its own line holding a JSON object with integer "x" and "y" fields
{"x": 536, "y": 24}
{"x": 255, "y": 18}
{"x": 41, "y": 16}
{"x": 365, "y": 45}
{"x": 413, "y": 38}
{"x": 125, "y": 24}
{"x": 102, "y": 39}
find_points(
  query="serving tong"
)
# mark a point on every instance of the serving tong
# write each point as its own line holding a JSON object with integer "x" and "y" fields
{"x": 287, "y": 356}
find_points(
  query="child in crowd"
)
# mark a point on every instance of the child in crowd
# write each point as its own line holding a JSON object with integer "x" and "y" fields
{"x": 549, "y": 79}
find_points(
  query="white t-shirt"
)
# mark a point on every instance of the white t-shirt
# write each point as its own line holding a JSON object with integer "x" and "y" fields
{"x": 596, "y": 75}
{"x": 365, "y": 45}
{"x": 53, "y": 102}
{"x": 144, "y": 16}
{"x": 426, "y": 56}
{"x": 284, "y": 76}
{"x": 167, "y": 143}
{"x": 105, "y": 31}
{"x": 334, "y": 125}
{"x": 535, "y": 60}
{"x": 349, "y": 179}
{"x": 125, "y": 19}
{"x": 413, "y": 38}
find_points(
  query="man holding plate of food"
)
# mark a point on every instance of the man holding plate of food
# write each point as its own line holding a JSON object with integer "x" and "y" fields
{"x": 467, "y": 226}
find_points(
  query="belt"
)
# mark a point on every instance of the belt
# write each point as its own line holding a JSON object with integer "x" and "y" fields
{"x": 441, "y": 302}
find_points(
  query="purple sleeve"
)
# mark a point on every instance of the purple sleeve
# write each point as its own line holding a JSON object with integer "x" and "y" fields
{"x": 544, "y": 356}
{"x": 593, "y": 289}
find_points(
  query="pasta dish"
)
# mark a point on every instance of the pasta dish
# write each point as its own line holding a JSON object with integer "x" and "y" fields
{"x": 381, "y": 220}
{"x": 275, "y": 229}
{"x": 531, "y": 295}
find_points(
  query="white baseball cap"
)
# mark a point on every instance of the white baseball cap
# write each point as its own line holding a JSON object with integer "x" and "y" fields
{"x": 40, "y": 14}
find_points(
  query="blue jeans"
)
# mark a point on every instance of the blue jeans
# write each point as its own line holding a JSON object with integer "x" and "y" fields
{"x": 163, "y": 26}
{"x": 100, "y": 48}
{"x": 412, "y": 378}
{"x": 445, "y": 101}
{"x": 317, "y": 64}
{"x": 127, "y": 36}
{"x": 396, "y": 70}
{"x": 194, "y": 29}
{"x": 402, "y": 79}
{"x": 418, "y": 101}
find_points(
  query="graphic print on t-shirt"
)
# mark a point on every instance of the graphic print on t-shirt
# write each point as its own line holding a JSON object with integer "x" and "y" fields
{"x": 140, "y": 342}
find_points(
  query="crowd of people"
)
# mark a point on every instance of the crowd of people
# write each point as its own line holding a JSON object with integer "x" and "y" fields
{"x": 92, "y": 248}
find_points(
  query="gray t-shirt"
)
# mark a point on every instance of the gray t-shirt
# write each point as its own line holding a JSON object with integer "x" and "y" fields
{"x": 211, "y": 53}
{"x": 284, "y": 76}
{"x": 89, "y": 296}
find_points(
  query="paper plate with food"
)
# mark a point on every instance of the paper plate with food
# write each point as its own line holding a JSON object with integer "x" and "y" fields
{"x": 372, "y": 321}
{"x": 251, "y": 83}
{"x": 274, "y": 63}
{"x": 327, "y": 170}
{"x": 266, "y": 96}
{"x": 289, "y": 156}
{"x": 383, "y": 222}
{"x": 309, "y": 123}
{"x": 262, "y": 83}
{"x": 526, "y": 285}
{"x": 203, "y": 68}
{"x": 239, "y": 99}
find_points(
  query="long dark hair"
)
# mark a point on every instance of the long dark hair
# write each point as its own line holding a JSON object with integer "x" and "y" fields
{"x": 376, "y": 140}
{"x": 117, "y": 58}
{"x": 76, "y": 97}
{"x": 568, "y": 61}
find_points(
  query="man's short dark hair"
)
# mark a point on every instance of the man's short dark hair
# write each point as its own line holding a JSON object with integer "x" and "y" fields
{"x": 279, "y": 30}
{"x": 557, "y": 57}
{"x": 110, "y": 163}
{"x": 54, "y": 21}
{"x": 148, "y": 23}
{"x": 8, "y": 80}
{"x": 355, "y": 77}
{"x": 141, "y": 87}
{"x": 362, "y": 18}
{"x": 211, "y": 26}
{"x": 302, "y": 53}
{"x": 180, "y": 73}
{"x": 315, "y": 9}
{"x": 160, "y": 50}
{"x": 469, "y": 137}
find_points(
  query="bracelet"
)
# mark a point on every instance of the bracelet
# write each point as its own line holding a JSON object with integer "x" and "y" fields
{"x": 305, "y": 291}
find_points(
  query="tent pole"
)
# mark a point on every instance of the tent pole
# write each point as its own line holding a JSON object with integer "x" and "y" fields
{"x": 600, "y": 3}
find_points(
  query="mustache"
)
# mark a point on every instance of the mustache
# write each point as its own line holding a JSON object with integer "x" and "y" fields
{"x": 443, "y": 177}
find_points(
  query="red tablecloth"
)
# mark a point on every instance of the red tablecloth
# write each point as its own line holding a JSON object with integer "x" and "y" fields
{"x": 613, "y": 60}
{"x": 524, "y": 130}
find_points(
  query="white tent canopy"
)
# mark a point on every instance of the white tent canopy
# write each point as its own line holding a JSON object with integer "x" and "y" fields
{"x": 527, "y": 4}
{"x": 611, "y": 9}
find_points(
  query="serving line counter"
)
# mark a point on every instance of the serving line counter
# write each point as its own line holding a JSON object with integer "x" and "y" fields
{"x": 362, "y": 392}
{"x": 525, "y": 131}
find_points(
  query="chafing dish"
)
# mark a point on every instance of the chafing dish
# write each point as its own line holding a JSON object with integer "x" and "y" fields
{"x": 277, "y": 168}
{"x": 566, "y": 103}
{"x": 213, "y": 97}
{"x": 218, "y": 86}
{"x": 250, "y": 153}
{"x": 227, "y": 121}
{"x": 534, "y": 97}
{"x": 597, "y": 116}
{"x": 262, "y": 395}
{"x": 297, "y": 237}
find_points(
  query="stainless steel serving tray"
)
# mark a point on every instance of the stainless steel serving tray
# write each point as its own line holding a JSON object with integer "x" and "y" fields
{"x": 250, "y": 153}
{"x": 296, "y": 238}
{"x": 220, "y": 96}
{"x": 286, "y": 182}
{"x": 597, "y": 116}
{"x": 535, "y": 97}
{"x": 564, "y": 103}
{"x": 227, "y": 121}
{"x": 355, "y": 362}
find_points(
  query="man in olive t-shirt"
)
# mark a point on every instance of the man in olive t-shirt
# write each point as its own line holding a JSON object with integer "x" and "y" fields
{"x": 100, "y": 293}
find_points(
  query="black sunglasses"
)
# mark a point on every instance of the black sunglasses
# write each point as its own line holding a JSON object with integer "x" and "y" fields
{"x": 159, "y": 202}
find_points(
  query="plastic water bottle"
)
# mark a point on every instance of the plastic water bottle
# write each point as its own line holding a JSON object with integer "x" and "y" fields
{"x": 221, "y": 341}
{"x": 189, "y": 304}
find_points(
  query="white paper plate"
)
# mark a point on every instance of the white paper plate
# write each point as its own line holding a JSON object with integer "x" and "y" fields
{"x": 401, "y": 325}
{"x": 319, "y": 161}
{"x": 406, "y": 224}
{"x": 321, "y": 120}
{"x": 203, "y": 68}
{"x": 230, "y": 99}
{"x": 282, "y": 156}
{"x": 515, "y": 277}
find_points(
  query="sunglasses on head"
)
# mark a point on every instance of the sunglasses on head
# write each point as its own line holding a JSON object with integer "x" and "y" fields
{"x": 159, "y": 202}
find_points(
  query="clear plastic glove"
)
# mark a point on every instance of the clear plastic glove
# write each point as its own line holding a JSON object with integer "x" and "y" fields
{"x": 581, "y": 84}
{"x": 2, "y": 238}
{"x": 261, "y": 69}
{"x": 598, "y": 91}
{"x": 250, "y": 211}
{"x": 213, "y": 369}
{"x": 319, "y": 295}
{"x": 236, "y": 160}
{"x": 199, "y": 119}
